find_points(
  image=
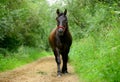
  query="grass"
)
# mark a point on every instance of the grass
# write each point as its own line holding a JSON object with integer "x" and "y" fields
{"x": 23, "y": 56}
{"x": 97, "y": 60}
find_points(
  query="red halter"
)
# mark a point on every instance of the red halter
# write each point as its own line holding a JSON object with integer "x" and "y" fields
{"x": 61, "y": 27}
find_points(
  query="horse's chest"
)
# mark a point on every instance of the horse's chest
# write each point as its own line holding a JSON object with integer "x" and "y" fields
{"x": 62, "y": 45}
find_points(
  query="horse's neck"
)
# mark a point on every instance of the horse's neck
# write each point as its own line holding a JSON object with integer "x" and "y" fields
{"x": 67, "y": 28}
{"x": 64, "y": 37}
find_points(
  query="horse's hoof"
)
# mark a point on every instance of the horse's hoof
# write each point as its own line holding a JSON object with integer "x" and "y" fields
{"x": 65, "y": 72}
{"x": 58, "y": 75}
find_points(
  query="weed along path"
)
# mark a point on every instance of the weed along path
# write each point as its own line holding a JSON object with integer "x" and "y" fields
{"x": 43, "y": 70}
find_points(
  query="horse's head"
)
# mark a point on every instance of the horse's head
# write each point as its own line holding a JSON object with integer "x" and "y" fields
{"x": 62, "y": 24}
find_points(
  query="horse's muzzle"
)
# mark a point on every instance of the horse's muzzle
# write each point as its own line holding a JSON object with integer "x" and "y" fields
{"x": 61, "y": 30}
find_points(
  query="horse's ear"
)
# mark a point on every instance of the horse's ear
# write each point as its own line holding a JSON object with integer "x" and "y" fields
{"x": 57, "y": 11}
{"x": 65, "y": 12}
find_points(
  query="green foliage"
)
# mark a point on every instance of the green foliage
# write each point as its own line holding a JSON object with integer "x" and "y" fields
{"x": 97, "y": 61}
{"x": 24, "y": 30}
{"x": 89, "y": 16}
{"x": 95, "y": 51}
{"x": 23, "y": 23}
{"x": 23, "y": 56}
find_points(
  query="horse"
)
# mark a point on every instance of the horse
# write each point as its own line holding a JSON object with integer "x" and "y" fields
{"x": 60, "y": 40}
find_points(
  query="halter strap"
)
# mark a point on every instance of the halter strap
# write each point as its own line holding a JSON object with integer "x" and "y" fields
{"x": 61, "y": 27}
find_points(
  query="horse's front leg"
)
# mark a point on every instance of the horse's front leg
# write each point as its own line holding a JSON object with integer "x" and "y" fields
{"x": 58, "y": 61}
{"x": 65, "y": 60}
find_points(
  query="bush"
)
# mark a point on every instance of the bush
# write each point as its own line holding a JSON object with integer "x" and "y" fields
{"x": 97, "y": 60}
{"x": 19, "y": 25}
{"x": 95, "y": 51}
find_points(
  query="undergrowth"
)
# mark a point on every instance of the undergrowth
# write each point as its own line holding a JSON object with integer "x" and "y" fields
{"x": 23, "y": 56}
{"x": 97, "y": 61}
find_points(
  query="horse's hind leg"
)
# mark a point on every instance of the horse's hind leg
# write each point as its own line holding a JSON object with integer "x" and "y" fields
{"x": 58, "y": 61}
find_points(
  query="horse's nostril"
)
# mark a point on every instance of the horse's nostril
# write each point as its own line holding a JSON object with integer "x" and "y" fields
{"x": 60, "y": 30}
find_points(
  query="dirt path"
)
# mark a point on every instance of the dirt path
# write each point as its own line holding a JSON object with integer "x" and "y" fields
{"x": 43, "y": 70}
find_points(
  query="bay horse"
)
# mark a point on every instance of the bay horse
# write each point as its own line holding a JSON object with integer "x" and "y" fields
{"x": 60, "y": 41}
